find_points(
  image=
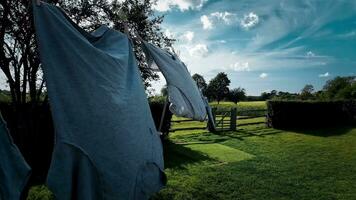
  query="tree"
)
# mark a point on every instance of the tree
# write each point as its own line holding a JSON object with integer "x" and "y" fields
{"x": 340, "y": 88}
{"x": 237, "y": 94}
{"x": 307, "y": 92}
{"x": 200, "y": 81}
{"x": 268, "y": 95}
{"x": 218, "y": 87}
{"x": 19, "y": 59}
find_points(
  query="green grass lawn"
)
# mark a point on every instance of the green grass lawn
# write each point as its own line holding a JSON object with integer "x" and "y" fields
{"x": 256, "y": 162}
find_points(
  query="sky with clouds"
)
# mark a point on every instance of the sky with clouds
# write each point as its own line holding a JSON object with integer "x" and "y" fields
{"x": 263, "y": 45}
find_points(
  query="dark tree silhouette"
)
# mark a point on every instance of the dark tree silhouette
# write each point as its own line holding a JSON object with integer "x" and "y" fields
{"x": 218, "y": 87}
{"x": 237, "y": 94}
{"x": 307, "y": 92}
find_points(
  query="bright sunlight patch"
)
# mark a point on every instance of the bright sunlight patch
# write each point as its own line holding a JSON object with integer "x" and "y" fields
{"x": 220, "y": 152}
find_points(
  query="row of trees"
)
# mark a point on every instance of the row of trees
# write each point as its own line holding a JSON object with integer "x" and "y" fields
{"x": 217, "y": 89}
{"x": 338, "y": 88}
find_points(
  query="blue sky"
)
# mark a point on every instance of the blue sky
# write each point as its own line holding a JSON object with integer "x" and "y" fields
{"x": 264, "y": 44}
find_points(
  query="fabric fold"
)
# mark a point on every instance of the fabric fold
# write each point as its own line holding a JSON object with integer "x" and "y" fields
{"x": 100, "y": 111}
{"x": 183, "y": 93}
{"x": 14, "y": 171}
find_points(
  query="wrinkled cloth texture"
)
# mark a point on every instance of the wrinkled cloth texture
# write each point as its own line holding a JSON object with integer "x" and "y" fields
{"x": 183, "y": 93}
{"x": 107, "y": 146}
{"x": 14, "y": 171}
{"x": 211, "y": 120}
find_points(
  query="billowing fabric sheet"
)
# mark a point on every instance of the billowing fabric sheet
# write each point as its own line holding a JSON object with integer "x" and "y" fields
{"x": 107, "y": 146}
{"x": 183, "y": 92}
{"x": 14, "y": 171}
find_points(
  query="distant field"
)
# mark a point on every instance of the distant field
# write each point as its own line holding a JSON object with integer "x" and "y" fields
{"x": 241, "y": 105}
{"x": 248, "y": 108}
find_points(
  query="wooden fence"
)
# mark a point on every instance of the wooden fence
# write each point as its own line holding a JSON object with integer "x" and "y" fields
{"x": 225, "y": 120}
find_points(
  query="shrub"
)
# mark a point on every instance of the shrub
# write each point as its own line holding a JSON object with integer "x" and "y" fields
{"x": 306, "y": 114}
{"x": 40, "y": 192}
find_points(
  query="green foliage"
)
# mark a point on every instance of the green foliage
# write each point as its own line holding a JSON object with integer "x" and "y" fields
{"x": 218, "y": 87}
{"x": 40, "y": 192}
{"x": 5, "y": 96}
{"x": 340, "y": 88}
{"x": 268, "y": 95}
{"x": 307, "y": 92}
{"x": 248, "y": 108}
{"x": 157, "y": 99}
{"x": 237, "y": 94}
{"x": 301, "y": 114}
{"x": 200, "y": 81}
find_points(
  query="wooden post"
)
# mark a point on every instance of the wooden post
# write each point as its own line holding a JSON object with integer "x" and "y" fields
{"x": 212, "y": 120}
{"x": 214, "y": 114}
{"x": 233, "y": 117}
{"x": 163, "y": 115}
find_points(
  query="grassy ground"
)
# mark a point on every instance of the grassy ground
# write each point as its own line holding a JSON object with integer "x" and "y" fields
{"x": 256, "y": 162}
{"x": 248, "y": 105}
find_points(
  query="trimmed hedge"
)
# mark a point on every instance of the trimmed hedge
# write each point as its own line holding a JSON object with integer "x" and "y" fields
{"x": 310, "y": 114}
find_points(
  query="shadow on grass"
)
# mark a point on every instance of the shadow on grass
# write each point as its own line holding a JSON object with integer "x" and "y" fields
{"x": 176, "y": 155}
{"x": 321, "y": 132}
{"x": 240, "y": 134}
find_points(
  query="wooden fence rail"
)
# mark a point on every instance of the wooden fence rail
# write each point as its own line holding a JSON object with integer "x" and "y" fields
{"x": 225, "y": 120}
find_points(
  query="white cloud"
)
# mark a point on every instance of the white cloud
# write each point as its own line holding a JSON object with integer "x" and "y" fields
{"x": 189, "y": 35}
{"x": 183, "y": 5}
{"x": 263, "y": 75}
{"x": 310, "y": 54}
{"x": 348, "y": 35}
{"x": 227, "y": 17}
{"x": 208, "y": 21}
{"x": 222, "y": 41}
{"x": 324, "y": 75}
{"x": 250, "y": 20}
{"x": 169, "y": 34}
{"x": 199, "y": 50}
{"x": 240, "y": 67}
{"x": 207, "y": 24}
